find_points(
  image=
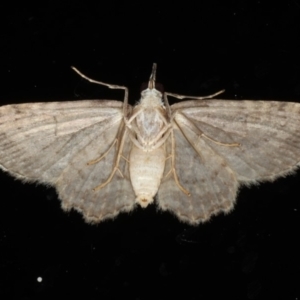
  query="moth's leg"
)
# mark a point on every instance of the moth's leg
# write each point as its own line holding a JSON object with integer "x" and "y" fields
{"x": 111, "y": 86}
{"x": 138, "y": 110}
{"x": 197, "y": 131}
{"x": 167, "y": 105}
{"x": 166, "y": 131}
{"x": 166, "y": 121}
{"x": 173, "y": 169}
{"x": 116, "y": 163}
{"x": 132, "y": 127}
{"x": 117, "y": 160}
{"x": 163, "y": 139}
{"x": 94, "y": 161}
{"x": 134, "y": 130}
{"x": 193, "y": 97}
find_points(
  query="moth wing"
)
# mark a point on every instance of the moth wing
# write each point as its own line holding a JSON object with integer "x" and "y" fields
{"x": 267, "y": 132}
{"x": 53, "y": 143}
{"x": 211, "y": 183}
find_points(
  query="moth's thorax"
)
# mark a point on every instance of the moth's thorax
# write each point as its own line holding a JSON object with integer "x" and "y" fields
{"x": 148, "y": 126}
{"x": 148, "y": 121}
{"x": 151, "y": 98}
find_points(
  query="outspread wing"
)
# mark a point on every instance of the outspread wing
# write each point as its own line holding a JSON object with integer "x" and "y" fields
{"x": 212, "y": 185}
{"x": 218, "y": 144}
{"x": 53, "y": 143}
{"x": 268, "y": 134}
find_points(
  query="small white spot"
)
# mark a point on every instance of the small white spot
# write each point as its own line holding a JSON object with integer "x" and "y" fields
{"x": 39, "y": 279}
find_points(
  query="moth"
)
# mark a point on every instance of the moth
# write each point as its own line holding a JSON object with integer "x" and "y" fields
{"x": 105, "y": 156}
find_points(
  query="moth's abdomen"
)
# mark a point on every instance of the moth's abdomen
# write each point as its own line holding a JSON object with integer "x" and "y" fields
{"x": 146, "y": 171}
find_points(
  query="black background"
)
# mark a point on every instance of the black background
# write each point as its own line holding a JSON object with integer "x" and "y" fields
{"x": 249, "y": 48}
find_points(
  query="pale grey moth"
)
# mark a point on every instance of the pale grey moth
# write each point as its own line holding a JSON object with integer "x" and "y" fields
{"x": 105, "y": 156}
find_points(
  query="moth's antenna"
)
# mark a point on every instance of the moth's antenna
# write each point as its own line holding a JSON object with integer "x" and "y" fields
{"x": 151, "y": 84}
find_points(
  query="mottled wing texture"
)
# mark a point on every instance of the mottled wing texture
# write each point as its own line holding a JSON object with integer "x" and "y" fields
{"x": 210, "y": 167}
{"x": 211, "y": 183}
{"x": 53, "y": 143}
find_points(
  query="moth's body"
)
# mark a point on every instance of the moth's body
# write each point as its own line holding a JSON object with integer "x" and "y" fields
{"x": 105, "y": 156}
{"x": 148, "y": 128}
{"x": 146, "y": 171}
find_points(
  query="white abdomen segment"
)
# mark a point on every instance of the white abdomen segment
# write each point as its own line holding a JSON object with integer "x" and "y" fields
{"x": 146, "y": 171}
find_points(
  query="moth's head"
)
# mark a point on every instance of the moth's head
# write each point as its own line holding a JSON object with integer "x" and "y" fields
{"x": 152, "y": 90}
